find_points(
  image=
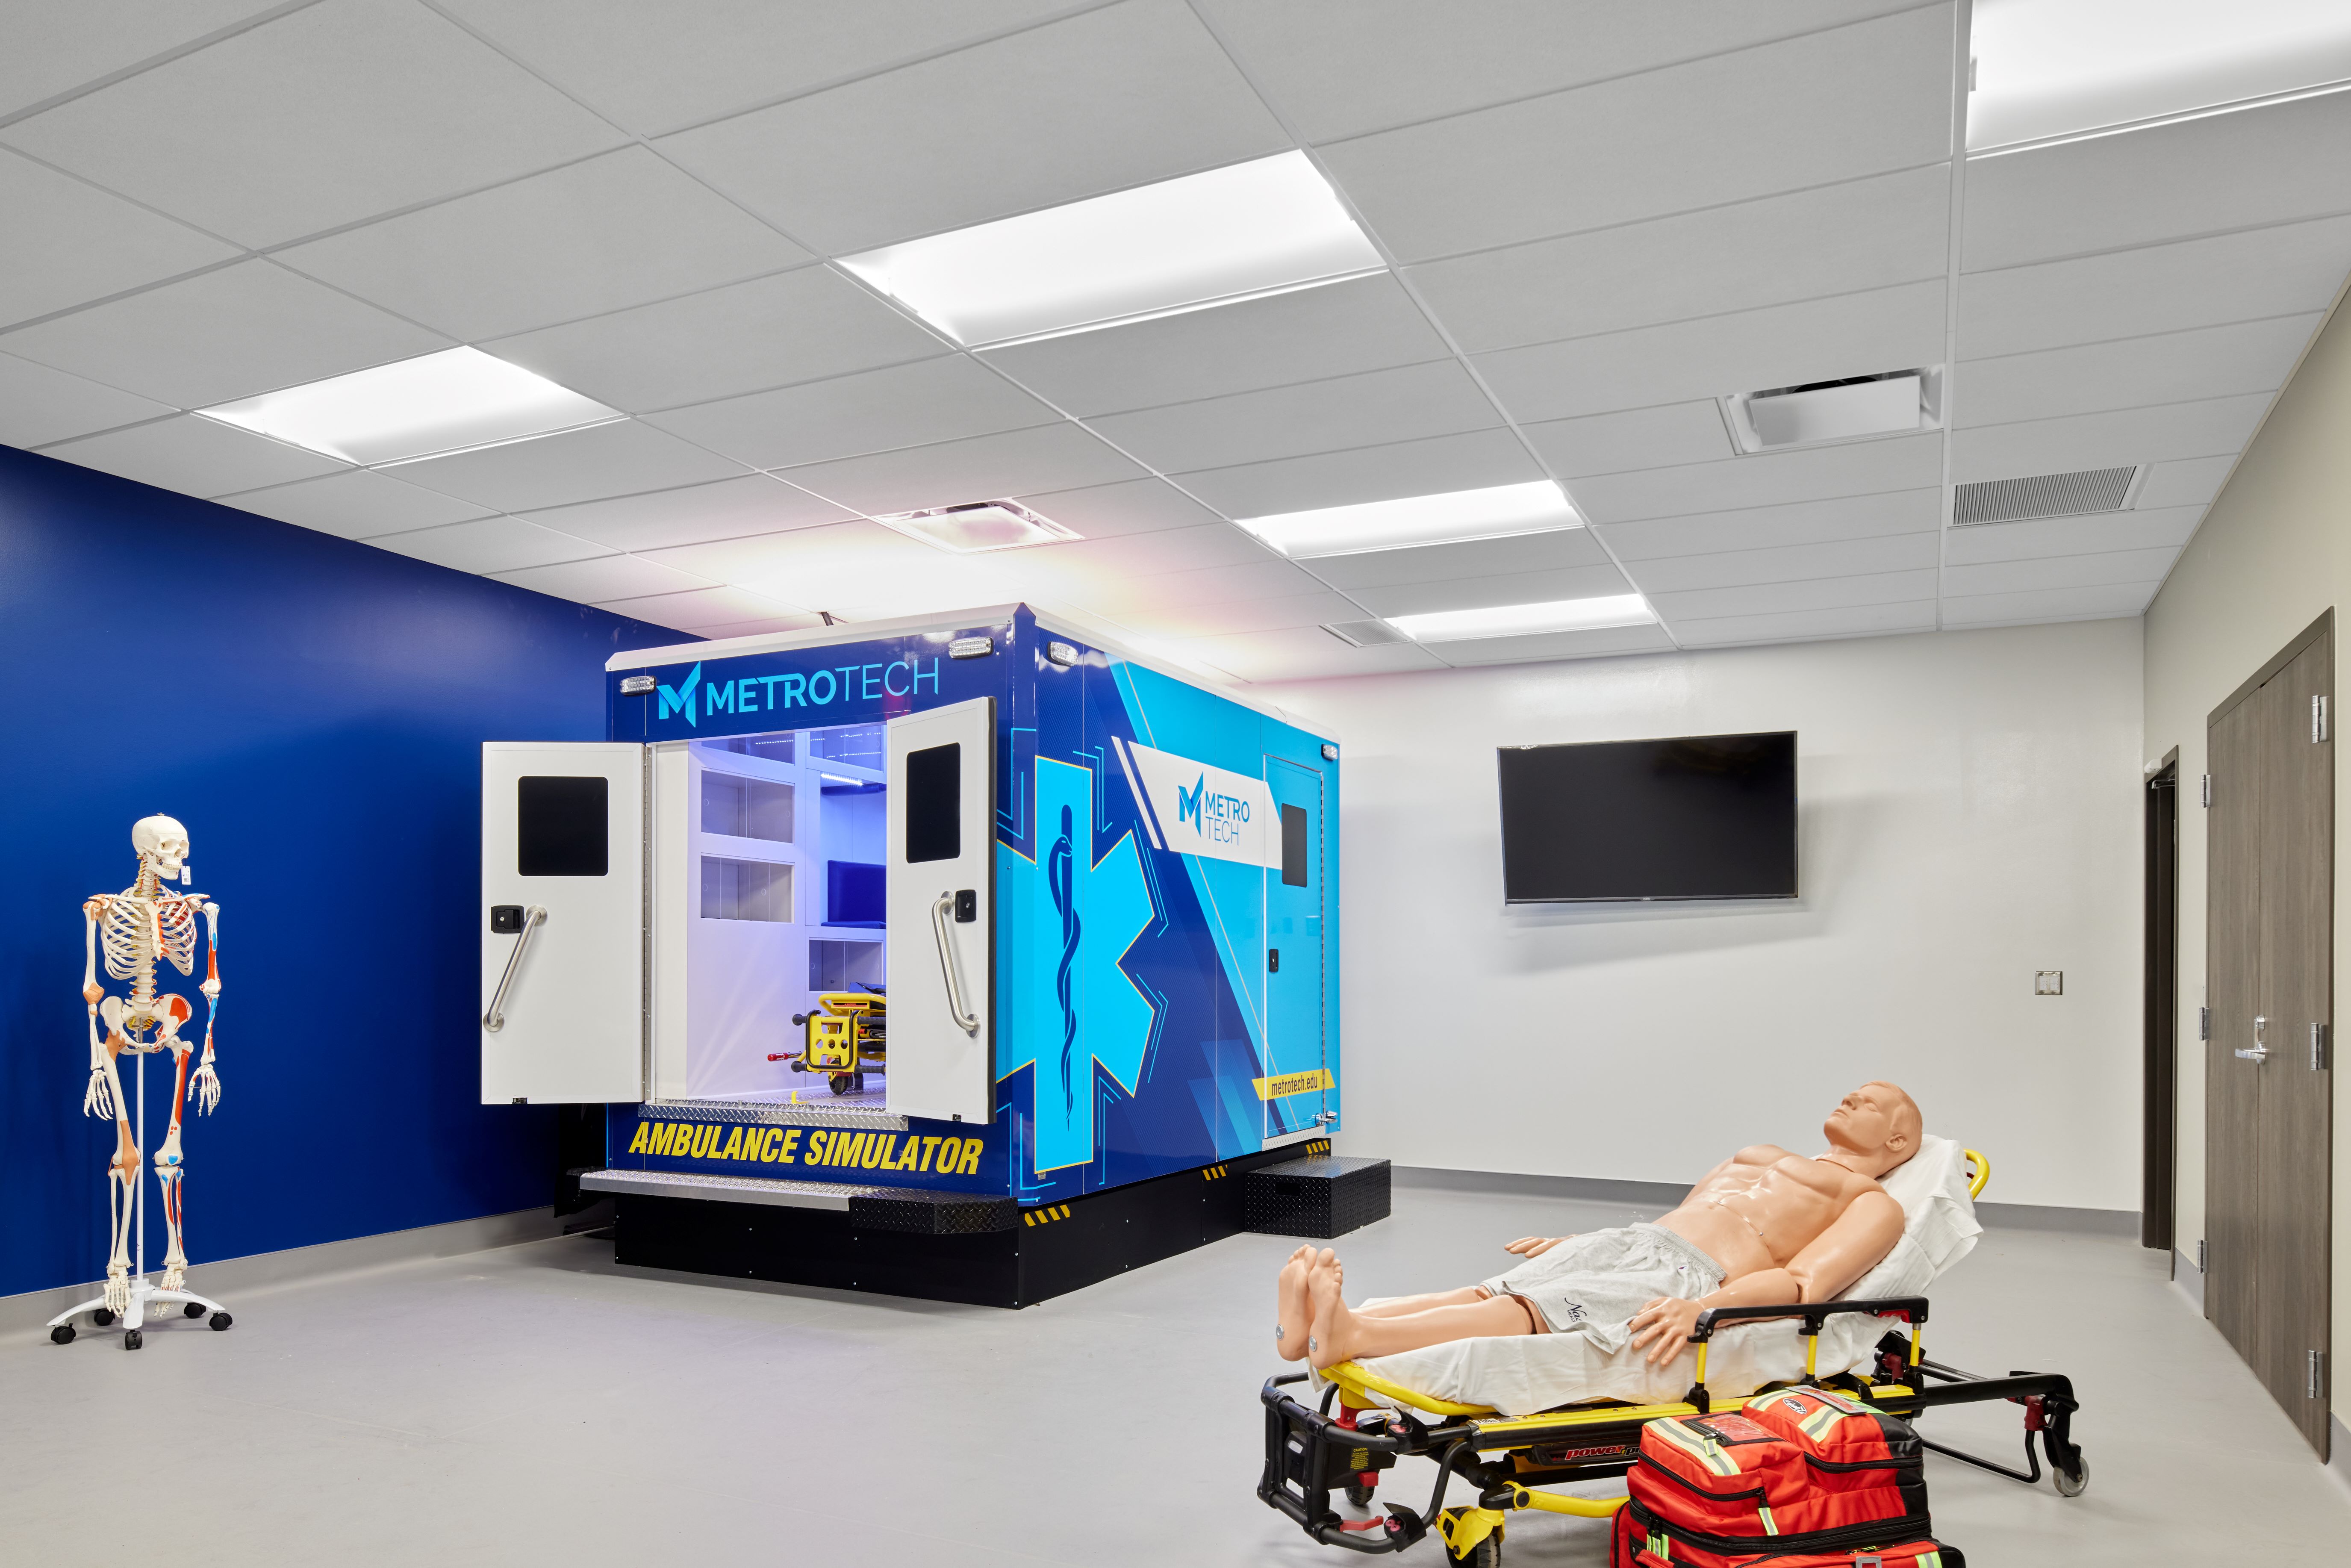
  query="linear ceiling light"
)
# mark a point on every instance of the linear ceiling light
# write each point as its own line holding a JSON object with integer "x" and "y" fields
{"x": 437, "y": 403}
{"x": 1238, "y": 233}
{"x": 1526, "y": 619}
{"x": 980, "y": 526}
{"x": 1449, "y": 519}
{"x": 2047, "y": 69}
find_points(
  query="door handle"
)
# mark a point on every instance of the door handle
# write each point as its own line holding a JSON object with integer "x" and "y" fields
{"x": 2261, "y": 1051}
{"x": 533, "y": 918}
{"x": 965, "y": 1019}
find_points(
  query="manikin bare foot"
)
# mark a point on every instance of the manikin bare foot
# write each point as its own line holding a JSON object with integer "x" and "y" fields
{"x": 1332, "y": 1338}
{"x": 1293, "y": 1314}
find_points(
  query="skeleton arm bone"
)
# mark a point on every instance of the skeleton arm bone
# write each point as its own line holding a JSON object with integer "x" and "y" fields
{"x": 98, "y": 1099}
{"x": 205, "y": 1088}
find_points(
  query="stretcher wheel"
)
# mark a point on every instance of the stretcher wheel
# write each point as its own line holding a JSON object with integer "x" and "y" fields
{"x": 1487, "y": 1554}
{"x": 193, "y": 1309}
{"x": 133, "y": 1338}
{"x": 62, "y": 1333}
{"x": 1359, "y": 1492}
{"x": 2073, "y": 1485}
{"x": 103, "y": 1316}
{"x": 838, "y": 1083}
{"x": 857, "y": 1081}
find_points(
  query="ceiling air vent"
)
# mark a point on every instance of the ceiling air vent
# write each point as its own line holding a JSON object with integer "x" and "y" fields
{"x": 2044, "y": 495}
{"x": 1893, "y": 403}
{"x": 1366, "y": 633}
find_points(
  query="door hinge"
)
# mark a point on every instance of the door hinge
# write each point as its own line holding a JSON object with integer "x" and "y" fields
{"x": 2203, "y": 1023}
{"x": 2208, "y": 788}
{"x": 2201, "y": 1256}
{"x": 2317, "y": 720}
{"x": 2320, "y": 1041}
{"x": 2317, "y": 1389}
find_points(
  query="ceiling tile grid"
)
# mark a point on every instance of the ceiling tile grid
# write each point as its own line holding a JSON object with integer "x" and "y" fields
{"x": 1600, "y": 221}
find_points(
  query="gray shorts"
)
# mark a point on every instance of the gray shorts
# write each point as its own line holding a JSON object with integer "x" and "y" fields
{"x": 1592, "y": 1284}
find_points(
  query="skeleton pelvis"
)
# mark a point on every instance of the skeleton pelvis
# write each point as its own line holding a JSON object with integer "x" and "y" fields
{"x": 130, "y": 1019}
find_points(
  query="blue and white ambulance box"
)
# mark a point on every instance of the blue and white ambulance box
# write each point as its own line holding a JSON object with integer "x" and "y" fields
{"x": 1099, "y": 899}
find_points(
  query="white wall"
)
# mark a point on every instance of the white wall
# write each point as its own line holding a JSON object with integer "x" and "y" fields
{"x": 2271, "y": 556}
{"x": 1970, "y": 814}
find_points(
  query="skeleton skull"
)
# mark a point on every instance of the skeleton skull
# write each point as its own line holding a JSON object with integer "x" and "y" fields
{"x": 162, "y": 841}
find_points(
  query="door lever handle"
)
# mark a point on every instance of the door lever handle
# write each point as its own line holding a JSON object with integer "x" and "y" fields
{"x": 2261, "y": 1051}
{"x": 533, "y": 918}
{"x": 965, "y": 1019}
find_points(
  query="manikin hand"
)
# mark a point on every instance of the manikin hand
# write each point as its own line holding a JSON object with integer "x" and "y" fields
{"x": 1535, "y": 1246}
{"x": 1665, "y": 1326}
{"x": 98, "y": 1099}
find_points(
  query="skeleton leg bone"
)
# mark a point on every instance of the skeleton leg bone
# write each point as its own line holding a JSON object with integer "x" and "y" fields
{"x": 169, "y": 1167}
{"x": 122, "y": 1195}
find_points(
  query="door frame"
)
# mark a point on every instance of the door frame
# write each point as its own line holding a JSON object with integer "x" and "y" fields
{"x": 2161, "y": 1006}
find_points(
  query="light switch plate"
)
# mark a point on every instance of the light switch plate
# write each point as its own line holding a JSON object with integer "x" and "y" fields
{"x": 2048, "y": 982}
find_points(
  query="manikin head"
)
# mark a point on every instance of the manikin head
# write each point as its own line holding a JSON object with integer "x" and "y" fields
{"x": 1873, "y": 1129}
{"x": 162, "y": 846}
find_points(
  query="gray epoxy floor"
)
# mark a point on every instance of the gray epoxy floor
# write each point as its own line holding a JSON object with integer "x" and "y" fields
{"x": 538, "y": 1404}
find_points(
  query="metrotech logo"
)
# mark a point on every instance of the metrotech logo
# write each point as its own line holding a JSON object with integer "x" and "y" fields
{"x": 681, "y": 698}
{"x": 1187, "y": 801}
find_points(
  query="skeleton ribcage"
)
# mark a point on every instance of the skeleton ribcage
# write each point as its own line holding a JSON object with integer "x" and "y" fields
{"x": 136, "y": 932}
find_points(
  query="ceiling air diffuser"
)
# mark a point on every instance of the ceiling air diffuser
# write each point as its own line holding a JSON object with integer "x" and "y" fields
{"x": 2078, "y": 494}
{"x": 1896, "y": 402}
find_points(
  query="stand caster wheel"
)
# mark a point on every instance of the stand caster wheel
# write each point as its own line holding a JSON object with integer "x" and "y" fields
{"x": 193, "y": 1309}
{"x": 103, "y": 1316}
{"x": 1359, "y": 1494}
{"x": 133, "y": 1338}
{"x": 62, "y": 1334}
{"x": 2074, "y": 1485}
{"x": 221, "y": 1321}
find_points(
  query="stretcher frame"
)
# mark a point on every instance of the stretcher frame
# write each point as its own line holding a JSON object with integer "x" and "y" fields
{"x": 1309, "y": 1452}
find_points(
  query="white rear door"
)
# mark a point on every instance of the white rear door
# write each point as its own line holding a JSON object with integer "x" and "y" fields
{"x": 562, "y": 922}
{"x": 941, "y": 888}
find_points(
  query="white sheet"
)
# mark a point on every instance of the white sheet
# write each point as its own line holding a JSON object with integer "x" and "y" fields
{"x": 1519, "y": 1374}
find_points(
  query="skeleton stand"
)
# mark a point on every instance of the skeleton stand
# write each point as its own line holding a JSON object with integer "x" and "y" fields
{"x": 142, "y": 1288}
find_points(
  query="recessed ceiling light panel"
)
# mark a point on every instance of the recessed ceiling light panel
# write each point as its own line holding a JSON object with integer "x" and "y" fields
{"x": 1237, "y": 233}
{"x": 1893, "y": 403}
{"x": 981, "y": 526}
{"x": 1526, "y": 620}
{"x": 1458, "y": 515}
{"x": 2046, "y": 70}
{"x": 424, "y": 407}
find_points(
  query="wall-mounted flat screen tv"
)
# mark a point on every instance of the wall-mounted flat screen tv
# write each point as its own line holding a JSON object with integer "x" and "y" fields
{"x": 1700, "y": 816}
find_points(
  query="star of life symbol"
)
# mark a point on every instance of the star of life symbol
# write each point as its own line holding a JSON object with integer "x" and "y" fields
{"x": 1081, "y": 1009}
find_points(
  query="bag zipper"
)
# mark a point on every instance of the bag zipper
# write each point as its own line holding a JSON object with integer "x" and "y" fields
{"x": 1710, "y": 1496}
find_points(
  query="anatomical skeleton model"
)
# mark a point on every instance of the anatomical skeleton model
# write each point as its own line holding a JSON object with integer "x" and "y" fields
{"x": 138, "y": 929}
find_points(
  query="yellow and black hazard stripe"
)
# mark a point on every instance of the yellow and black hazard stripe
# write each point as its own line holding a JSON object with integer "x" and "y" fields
{"x": 1046, "y": 1216}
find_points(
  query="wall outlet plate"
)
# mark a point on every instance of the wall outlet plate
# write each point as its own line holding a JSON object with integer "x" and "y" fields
{"x": 2048, "y": 982}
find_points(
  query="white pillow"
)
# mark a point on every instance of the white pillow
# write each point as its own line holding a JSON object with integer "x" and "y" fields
{"x": 1938, "y": 1213}
{"x": 1905, "y": 1271}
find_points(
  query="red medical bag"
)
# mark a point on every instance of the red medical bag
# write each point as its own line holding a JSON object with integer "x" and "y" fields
{"x": 1803, "y": 1478}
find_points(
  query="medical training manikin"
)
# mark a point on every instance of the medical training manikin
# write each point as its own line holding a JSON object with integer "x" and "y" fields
{"x": 1764, "y": 1226}
{"x": 137, "y": 928}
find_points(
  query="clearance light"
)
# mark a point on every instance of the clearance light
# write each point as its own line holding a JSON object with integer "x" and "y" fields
{"x": 424, "y": 407}
{"x": 1449, "y": 519}
{"x": 981, "y": 526}
{"x": 1526, "y": 619}
{"x": 1237, "y": 233}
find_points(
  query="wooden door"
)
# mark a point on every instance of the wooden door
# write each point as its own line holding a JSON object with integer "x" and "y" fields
{"x": 2297, "y": 949}
{"x": 2232, "y": 1082}
{"x": 2271, "y": 978}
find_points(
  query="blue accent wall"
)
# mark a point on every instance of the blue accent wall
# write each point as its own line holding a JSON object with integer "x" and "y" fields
{"x": 312, "y": 709}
